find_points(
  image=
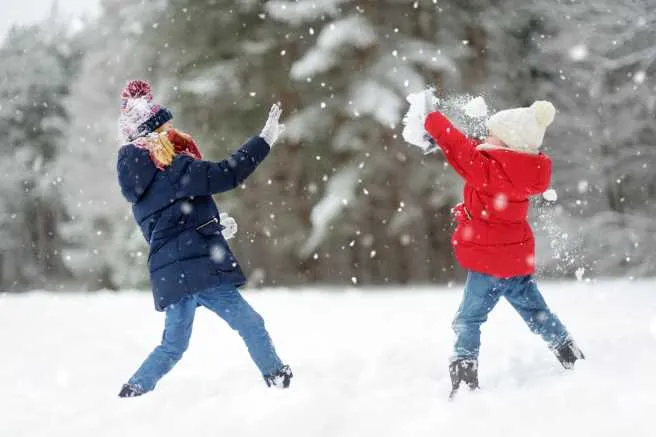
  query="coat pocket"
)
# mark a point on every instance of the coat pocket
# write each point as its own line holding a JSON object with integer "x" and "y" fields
{"x": 221, "y": 258}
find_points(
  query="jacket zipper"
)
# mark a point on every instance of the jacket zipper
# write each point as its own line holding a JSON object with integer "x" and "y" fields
{"x": 209, "y": 222}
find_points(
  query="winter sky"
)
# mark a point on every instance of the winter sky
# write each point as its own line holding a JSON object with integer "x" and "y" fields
{"x": 30, "y": 11}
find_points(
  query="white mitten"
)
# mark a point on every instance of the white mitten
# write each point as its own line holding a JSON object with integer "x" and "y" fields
{"x": 272, "y": 128}
{"x": 421, "y": 104}
{"x": 229, "y": 226}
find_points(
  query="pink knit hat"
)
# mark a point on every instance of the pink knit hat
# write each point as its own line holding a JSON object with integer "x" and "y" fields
{"x": 139, "y": 115}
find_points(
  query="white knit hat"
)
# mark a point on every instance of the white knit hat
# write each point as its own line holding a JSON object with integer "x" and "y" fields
{"x": 522, "y": 128}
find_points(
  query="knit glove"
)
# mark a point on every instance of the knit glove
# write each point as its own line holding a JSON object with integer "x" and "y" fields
{"x": 229, "y": 226}
{"x": 272, "y": 128}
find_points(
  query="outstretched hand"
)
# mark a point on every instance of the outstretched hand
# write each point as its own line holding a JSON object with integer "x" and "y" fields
{"x": 272, "y": 128}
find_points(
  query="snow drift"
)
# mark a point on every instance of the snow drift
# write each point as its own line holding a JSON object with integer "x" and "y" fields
{"x": 366, "y": 363}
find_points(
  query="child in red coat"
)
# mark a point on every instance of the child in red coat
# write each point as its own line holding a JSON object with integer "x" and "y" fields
{"x": 493, "y": 239}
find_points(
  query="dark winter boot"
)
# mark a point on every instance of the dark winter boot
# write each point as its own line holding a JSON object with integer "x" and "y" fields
{"x": 280, "y": 379}
{"x": 568, "y": 353}
{"x": 463, "y": 371}
{"x": 130, "y": 391}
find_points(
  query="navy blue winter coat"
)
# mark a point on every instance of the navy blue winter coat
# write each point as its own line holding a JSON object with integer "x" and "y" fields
{"x": 180, "y": 220}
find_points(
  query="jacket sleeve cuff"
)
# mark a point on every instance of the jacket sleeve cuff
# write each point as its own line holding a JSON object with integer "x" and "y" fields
{"x": 257, "y": 148}
{"x": 437, "y": 124}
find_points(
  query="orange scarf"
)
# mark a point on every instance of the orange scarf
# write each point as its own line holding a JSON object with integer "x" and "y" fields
{"x": 166, "y": 145}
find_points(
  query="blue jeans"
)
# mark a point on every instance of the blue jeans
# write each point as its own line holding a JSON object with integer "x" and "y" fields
{"x": 228, "y": 304}
{"x": 482, "y": 292}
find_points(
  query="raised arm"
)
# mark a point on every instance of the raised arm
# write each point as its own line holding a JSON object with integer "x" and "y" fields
{"x": 203, "y": 178}
{"x": 459, "y": 150}
{"x": 197, "y": 178}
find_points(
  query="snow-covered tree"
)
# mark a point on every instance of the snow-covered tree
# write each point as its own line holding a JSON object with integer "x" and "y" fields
{"x": 342, "y": 198}
{"x": 379, "y": 211}
{"x": 104, "y": 246}
{"x": 35, "y": 78}
{"x": 597, "y": 61}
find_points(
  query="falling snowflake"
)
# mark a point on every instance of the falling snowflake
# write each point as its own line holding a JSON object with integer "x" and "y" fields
{"x": 217, "y": 254}
{"x": 639, "y": 77}
{"x": 500, "y": 202}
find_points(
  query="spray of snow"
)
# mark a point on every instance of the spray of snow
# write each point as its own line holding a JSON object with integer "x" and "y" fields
{"x": 465, "y": 112}
{"x": 579, "y": 273}
{"x": 468, "y": 113}
{"x": 564, "y": 250}
{"x": 476, "y": 108}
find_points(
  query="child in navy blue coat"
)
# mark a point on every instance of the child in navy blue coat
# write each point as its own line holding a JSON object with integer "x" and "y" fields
{"x": 170, "y": 187}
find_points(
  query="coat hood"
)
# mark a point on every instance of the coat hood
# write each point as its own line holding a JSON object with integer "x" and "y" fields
{"x": 529, "y": 174}
{"x": 135, "y": 172}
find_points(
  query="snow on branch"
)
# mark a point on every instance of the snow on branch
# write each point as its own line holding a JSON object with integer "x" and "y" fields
{"x": 373, "y": 98}
{"x": 426, "y": 55}
{"x": 353, "y": 31}
{"x": 298, "y": 12}
{"x": 340, "y": 190}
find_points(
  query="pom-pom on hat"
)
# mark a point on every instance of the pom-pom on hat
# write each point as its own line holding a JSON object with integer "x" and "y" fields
{"x": 523, "y": 128}
{"x": 139, "y": 115}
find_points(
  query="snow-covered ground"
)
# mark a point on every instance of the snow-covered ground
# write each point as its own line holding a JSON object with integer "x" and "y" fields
{"x": 367, "y": 363}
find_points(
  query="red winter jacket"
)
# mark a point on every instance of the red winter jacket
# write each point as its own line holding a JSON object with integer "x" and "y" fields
{"x": 492, "y": 234}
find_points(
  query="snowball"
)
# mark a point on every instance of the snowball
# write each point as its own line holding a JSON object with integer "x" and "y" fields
{"x": 550, "y": 195}
{"x": 475, "y": 108}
